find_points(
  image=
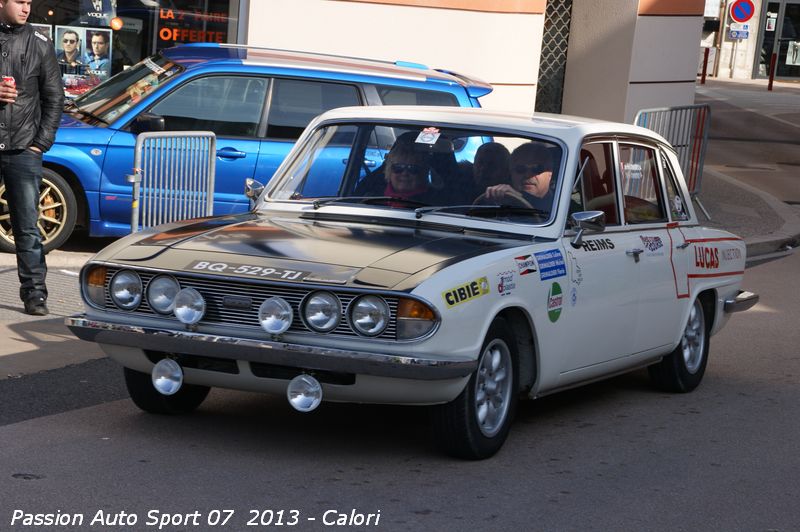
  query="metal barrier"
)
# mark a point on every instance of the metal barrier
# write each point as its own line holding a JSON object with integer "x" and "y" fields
{"x": 173, "y": 177}
{"x": 686, "y": 128}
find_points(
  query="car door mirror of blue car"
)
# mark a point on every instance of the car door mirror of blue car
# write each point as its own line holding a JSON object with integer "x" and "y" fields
{"x": 146, "y": 122}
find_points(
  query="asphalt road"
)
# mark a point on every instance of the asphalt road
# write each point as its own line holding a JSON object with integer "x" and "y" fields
{"x": 615, "y": 455}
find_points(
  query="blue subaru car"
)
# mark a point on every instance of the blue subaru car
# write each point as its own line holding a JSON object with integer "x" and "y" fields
{"x": 257, "y": 101}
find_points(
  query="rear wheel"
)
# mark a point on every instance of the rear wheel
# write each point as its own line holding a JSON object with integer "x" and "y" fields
{"x": 145, "y": 396}
{"x": 476, "y": 423}
{"x": 58, "y": 213}
{"x": 683, "y": 369}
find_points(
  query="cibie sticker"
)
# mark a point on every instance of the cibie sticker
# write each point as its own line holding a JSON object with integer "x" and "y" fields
{"x": 506, "y": 282}
{"x": 551, "y": 264}
{"x": 466, "y": 292}
{"x": 429, "y": 135}
{"x": 555, "y": 302}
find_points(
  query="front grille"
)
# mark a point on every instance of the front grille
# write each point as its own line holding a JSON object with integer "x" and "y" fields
{"x": 214, "y": 290}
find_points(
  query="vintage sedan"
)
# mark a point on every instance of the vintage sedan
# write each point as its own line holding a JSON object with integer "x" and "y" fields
{"x": 454, "y": 258}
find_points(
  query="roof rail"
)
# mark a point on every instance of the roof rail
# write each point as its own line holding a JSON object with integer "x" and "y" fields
{"x": 405, "y": 64}
{"x": 475, "y": 87}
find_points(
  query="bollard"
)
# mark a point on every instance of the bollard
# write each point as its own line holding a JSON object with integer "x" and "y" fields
{"x": 772, "y": 63}
{"x": 705, "y": 66}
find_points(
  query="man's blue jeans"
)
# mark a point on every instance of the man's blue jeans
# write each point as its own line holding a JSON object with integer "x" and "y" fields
{"x": 21, "y": 171}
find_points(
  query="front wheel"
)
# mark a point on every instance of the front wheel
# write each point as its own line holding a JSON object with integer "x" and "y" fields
{"x": 476, "y": 423}
{"x": 146, "y": 397}
{"x": 58, "y": 213}
{"x": 682, "y": 370}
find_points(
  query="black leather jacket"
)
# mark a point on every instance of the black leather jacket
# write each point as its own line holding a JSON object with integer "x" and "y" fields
{"x": 33, "y": 119}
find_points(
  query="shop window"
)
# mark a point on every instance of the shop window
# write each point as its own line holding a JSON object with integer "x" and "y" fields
{"x": 295, "y": 103}
{"x": 228, "y": 106}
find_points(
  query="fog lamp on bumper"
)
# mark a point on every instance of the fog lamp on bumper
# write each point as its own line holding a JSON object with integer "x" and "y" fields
{"x": 167, "y": 376}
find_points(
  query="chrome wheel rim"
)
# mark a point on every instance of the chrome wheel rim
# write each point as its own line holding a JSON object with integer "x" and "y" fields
{"x": 52, "y": 212}
{"x": 694, "y": 339}
{"x": 493, "y": 388}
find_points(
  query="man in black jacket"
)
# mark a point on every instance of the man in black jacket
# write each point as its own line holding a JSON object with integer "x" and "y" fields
{"x": 31, "y": 101}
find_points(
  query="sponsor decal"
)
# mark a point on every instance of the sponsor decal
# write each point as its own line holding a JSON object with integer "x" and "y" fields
{"x": 706, "y": 257}
{"x": 576, "y": 274}
{"x": 598, "y": 244}
{"x": 40, "y": 36}
{"x": 247, "y": 270}
{"x": 731, "y": 254}
{"x": 466, "y": 292}
{"x": 555, "y": 301}
{"x": 652, "y": 244}
{"x": 525, "y": 264}
{"x": 506, "y": 282}
{"x": 551, "y": 264}
{"x": 573, "y": 299}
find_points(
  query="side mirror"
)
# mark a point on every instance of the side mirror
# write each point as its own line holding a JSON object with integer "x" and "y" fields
{"x": 586, "y": 220}
{"x": 147, "y": 122}
{"x": 252, "y": 189}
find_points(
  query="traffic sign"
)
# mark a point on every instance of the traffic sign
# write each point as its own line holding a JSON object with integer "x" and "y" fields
{"x": 742, "y": 10}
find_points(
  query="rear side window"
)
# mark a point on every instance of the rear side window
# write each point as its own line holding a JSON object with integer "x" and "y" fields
{"x": 295, "y": 103}
{"x": 230, "y": 106}
{"x": 642, "y": 198}
{"x": 675, "y": 199}
{"x": 405, "y": 96}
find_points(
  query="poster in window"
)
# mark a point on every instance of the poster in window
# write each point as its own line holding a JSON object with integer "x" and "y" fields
{"x": 84, "y": 57}
{"x": 98, "y": 53}
{"x": 98, "y": 12}
{"x": 793, "y": 53}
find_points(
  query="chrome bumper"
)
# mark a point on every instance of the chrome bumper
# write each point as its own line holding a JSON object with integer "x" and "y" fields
{"x": 743, "y": 301}
{"x": 280, "y": 353}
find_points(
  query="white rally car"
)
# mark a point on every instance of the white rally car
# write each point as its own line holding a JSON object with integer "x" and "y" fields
{"x": 457, "y": 258}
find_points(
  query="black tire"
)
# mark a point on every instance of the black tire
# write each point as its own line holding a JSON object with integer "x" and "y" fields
{"x": 456, "y": 426}
{"x": 682, "y": 370}
{"x": 145, "y": 396}
{"x": 58, "y": 212}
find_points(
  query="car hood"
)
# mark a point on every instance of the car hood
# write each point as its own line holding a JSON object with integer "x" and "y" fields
{"x": 324, "y": 251}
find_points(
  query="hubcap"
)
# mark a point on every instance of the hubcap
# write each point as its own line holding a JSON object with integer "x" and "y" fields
{"x": 694, "y": 339}
{"x": 493, "y": 387}
{"x": 52, "y": 212}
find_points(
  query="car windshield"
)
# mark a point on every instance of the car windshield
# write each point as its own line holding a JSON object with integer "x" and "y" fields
{"x": 116, "y": 95}
{"x": 426, "y": 168}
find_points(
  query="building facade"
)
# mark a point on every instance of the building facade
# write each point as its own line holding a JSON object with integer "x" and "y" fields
{"x": 604, "y": 59}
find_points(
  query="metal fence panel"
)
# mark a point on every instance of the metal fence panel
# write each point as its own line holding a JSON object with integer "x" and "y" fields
{"x": 173, "y": 177}
{"x": 686, "y": 128}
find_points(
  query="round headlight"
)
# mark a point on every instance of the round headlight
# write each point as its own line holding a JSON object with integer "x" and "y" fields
{"x": 126, "y": 289}
{"x": 190, "y": 307}
{"x": 275, "y": 315}
{"x": 369, "y": 315}
{"x": 322, "y": 311}
{"x": 161, "y": 292}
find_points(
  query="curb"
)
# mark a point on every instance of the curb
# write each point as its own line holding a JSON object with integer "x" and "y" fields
{"x": 778, "y": 243}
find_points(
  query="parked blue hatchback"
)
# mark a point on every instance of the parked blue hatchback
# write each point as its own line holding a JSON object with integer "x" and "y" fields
{"x": 257, "y": 101}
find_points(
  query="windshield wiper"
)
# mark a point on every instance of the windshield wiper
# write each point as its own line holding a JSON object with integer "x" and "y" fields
{"x": 368, "y": 200}
{"x": 482, "y": 210}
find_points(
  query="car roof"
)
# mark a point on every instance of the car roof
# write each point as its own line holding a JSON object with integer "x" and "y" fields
{"x": 568, "y": 128}
{"x": 198, "y": 55}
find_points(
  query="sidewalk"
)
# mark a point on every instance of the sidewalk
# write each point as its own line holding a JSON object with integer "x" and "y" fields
{"x": 769, "y": 226}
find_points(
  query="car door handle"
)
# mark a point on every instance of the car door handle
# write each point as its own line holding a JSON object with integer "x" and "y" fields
{"x": 231, "y": 153}
{"x": 683, "y": 246}
{"x": 635, "y": 252}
